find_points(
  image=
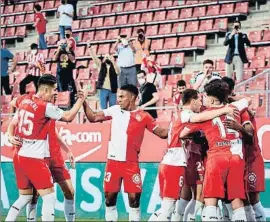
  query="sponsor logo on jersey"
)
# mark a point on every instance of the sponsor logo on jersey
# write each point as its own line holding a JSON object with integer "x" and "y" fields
{"x": 252, "y": 177}
{"x": 138, "y": 117}
{"x": 136, "y": 178}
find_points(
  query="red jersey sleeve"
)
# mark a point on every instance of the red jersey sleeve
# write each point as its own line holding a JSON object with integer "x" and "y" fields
{"x": 151, "y": 123}
{"x": 245, "y": 118}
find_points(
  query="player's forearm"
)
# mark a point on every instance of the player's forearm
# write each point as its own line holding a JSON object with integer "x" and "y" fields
{"x": 90, "y": 115}
{"x": 62, "y": 143}
{"x": 71, "y": 114}
{"x": 11, "y": 129}
{"x": 207, "y": 115}
{"x": 247, "y": 136}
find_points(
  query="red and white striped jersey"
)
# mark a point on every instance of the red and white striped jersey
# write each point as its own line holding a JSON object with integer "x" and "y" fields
{"x": 33, "y": 60}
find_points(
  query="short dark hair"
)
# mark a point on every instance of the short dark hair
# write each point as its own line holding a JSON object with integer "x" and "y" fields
{"x": 217, "y": 88}
{"x": 130, "y": 88}
{"x": 141, "y": 71}
{"x": 188, "y": 95}
{"x": 47, "y": 79}
{"x": 237, "y": 21}
{"x": 140, "y": 30}
{"x": 68, "y": 29}
{"x": 181, "y": 82}
{"x": 37, "y": 7}
{"x": 34, "y": 46}
{"x": 208, "y": 61}
{"x": 230, "y": 83}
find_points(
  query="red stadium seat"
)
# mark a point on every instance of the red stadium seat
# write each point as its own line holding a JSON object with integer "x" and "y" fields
{"x": 186, "y": 13}
{"x": 63, "y": 99}
{"x": 80, "y": 51}
{"x": 199, "y": 11}
{"x": 163, "y": 59}
{"x": 30, "y": 88}
{"x": 241, "y": 7}
{"x": 20, "y": 56}
{"x": 29, "y": 18}
{"x": 173, "y": 79}
{"x": 109, "y": 21}
{"x": 170, "y": 43}
{"x": 82, "y": 63}
{"x": 94, "y": 74}
{"x": 100, "y": 35}
{"x": 172, "y": 14}
{"x": 121, "y": 20}
{"x": 157, "y": 44}
{"x": 52, "y": 52}
{"x": 49, "y": 4}
{"x": 206, "y": 25}
{"x": 192, "y": 26}
{"x": 177, "y": 59}
{"x": 45, "y": 52}
{"x": 10, "y": 32}
{"x": 130, "y": 6}
{"x": 88, "y": 36}
{"x": 199, "y": 41}
{"x": 48, "y": 68}
{"x": 266, "y": 35}
{"x": 106, "y": 9}
{"x": 227, "y": 8}
{"x": 258, "y": 84}
{"x": 2, "y": 31}
{"x": 21, "y": 31}
{"x": 97, "y": 22}
{"x": 91, "y": 85}
{"x": 83, "y": 12}
{"x": 94, "y": 10}
{"x": 221, "y": 24}
{"x": 147, "y": 17}
{"x": 134, "y": 18}
{"x": 119, "y": 7}
{"x": 19, "y": 19}
{"x": 257, "y": 62}
{"x": 103, "y": 49}
{"x": 213, "y": 10}
{"x": 178, "y": 27}
{"x": 220, "y": 65}
{"x": 52, "y": 39}
{"x": 154, "y": 4}
{"x": 9, "y": 9}
{"x": 178, "y": 2}
{"x": 85, "y": 24}
{"x": 113, "y": 33}
{"x": 29, "y": 7}
{"x": 9, "y": 20}
{"x": 142, "y": 5}
{"x": 165, "y": 29}
{"x": 5, "y": 100}
{"x": 160, "y": 16}
{"x": 164, "y": 116}
{"x": 126, "y": 31}
{"x": 250, "y": 52}
{"x": 54, "y": 68}
{"x": 76, "y": 24}
{"x": 19, "y": 8}
{"x": 84, "y": 74}
{"x": 184, "y": 42}
{"x": 192, "y": 2}
{"x": 151, "y": 30}
{"x": 247, "y": 74}
{"x": 21, "y": 68}
{"x": 264, "y": 51}
{"x": 166, "y": 3}
{"x": 135, "y": 29}
{"x": 255, "y": 36}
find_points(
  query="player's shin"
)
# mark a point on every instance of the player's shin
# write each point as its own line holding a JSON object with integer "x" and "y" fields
{"x": 191, "y": 210}
{"x": 178, "y": 214}
{"x": 111, "y": 213}
{"x": 16, "y": 208}
{"x": 250, "y": 214}
{"x": 259, "y": 212}
{"x": 48, "y": 207}
{"x": 167, "y": 208}
{"x": 31, "y": 212}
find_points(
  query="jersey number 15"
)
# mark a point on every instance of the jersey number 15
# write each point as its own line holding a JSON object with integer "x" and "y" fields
{"x": 26, "y": 124}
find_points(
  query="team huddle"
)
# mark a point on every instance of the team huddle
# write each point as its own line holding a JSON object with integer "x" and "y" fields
{"x": 212, "y": 155}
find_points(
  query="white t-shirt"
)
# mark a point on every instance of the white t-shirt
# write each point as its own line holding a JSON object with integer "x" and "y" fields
{"x": 65, "y": 20}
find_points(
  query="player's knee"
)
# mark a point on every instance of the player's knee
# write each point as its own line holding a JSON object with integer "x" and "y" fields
{"x": 254, "y": 198}
{"x": 237, "y": 203}
{"x": 134, "y": 201}
{"x": 110, "y": 200}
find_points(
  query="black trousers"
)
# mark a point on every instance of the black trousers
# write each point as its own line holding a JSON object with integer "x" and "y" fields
{"x": 27, "y": 80}
{"x": 5, "y": 85}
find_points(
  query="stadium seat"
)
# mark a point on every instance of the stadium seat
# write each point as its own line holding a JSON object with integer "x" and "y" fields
{"x": 29, "y": 18}
{"x": 213, "y": 10}
{"x": 247, "y": 74}
{"x": 54, "y": 68}
{"x": 154, "y": 4}
{"x": 106, "y": 9}
{"x": 250, "y": 52}
{"x": 100, "y": 35}
{"x": 80, "y": 51}
{"x": 29, "y": 7}
{"x": 30, "y": 88}
{"x": 186, "y": 13}
{"x": 266, "y": 35}
{"x": 192, "y": 26}
{"x": 258, "y": 84}
{"x": 76, "y": 24}
{"x": 147, "y": 17}
{"x": 166, "y": 92}
{"x": 21, "y": 68}
{"x": 134, "y": 18}
{"x": 118, "y": 7}
{"x": 94, "y": 10}
{"x": 83, "y": 63}
{"x": 9, "y": 9}
{"x": 21, "y": 31}
{"x": 5, "y": 100}
{"x": 6, "y": 109}
{"x": 227, "y": 8}
{"x": 48, "y": 4}
{"x": 109, "y": 21}
{"x": 221, "y": 24}
{"x": 129, "y": 6}
{"x": 151, "y": 30}
{"x": 91, "y": 85}
{"x": 78, "y": 36}
{"x": 113, "y": 33}
{"x": 94, "y": 74}
{"x": 84, "y": 74}
{"x": 52, "y": 52}
{"x": 48, "y": 68}
{"x": 97, "y": 22}
{"x": 257, "y": 62}
{"x": 19, "y": 8}
{"x": 173, "y": 79}
{"x": 126, "y": 31}
{"x": 85, "y": 24}
{"x": 241, "y": 7}
{"x": 166, "y": 3}
{"x": 172, "y": 14}
{"x": 170, "y": 43}
{"x": 164, "y": 115}
{"x": 142, "y": 5}
{"x": 206, "y": 25}
{"x": 220, "y": 65}
{"x": 52, "y": 39}
{"x": 83, "y": 12}
{"x": 160, "y": 16}
{"x": 165, "y": 29}
{"x": 10, "y": 32}
{"x": 178, "y": 2}
{"x": 184, "y": 42}
{"x": 192, "y": 2}
{"x": 20, "y": 56}
{"x": 63, "y": 99}
{"x": 121, "y": 20}
{"x": 177, "y": 59}
{"x": 199, "y": 11}
{"x": 178, "y": 27}
{"x": 255, "y": 36}
{"x": 264, "y": 51}
{"x": 163, "y": 59}
{"x": 2, "y": 31}
{"x": 103, "y": 49}
{"x": 88, "y": 36}
{"x": 157, "y": 44}
{"x": 16, "y": 89}
{"x": 11, "y": 78}
{"x": 9, "y": 20}
{"x": 199, "y": 41}
{"x": 19, "y": 19}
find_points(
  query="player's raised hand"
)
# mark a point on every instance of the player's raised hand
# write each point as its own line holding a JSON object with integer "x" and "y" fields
{"x": 71, "y": 159}
{"x": 232, "y": 111}
{"x": 15, "y": 141}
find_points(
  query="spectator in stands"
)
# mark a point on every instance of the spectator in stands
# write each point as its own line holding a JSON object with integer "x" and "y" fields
{"x": 181, "y": 87}
{"x": 6, "y": 55}
{"x": 236, "y": 54}
{"x": 12, "y": 2}
{"x": 36, "y": 67}
{"x": 125, "y": 61}
{"x": 70, "y": 39}
{"x": 74, "y": 4}
{"x": 65, "y": 58}
{"x": 107, "y": 78}
{"x": 148, "y": 94}
{"x": 142, "y": 47}
{"x": 40, "y": 25}
{"x": 202, "y": 78}
{"x": 65, "y": 14}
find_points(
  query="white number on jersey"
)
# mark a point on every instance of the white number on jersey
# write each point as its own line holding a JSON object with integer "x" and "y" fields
{"x": 181, "y": 181}
{"x": 26, "y": 124}
{"x": 222, "y": 129}
{"x": 108, "y": 176}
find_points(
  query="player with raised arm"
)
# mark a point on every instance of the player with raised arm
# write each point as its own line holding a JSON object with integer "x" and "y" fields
{"x": 127, "y": 132}
{"x": 31, "y": 169}
{"x": 225, "y": 164}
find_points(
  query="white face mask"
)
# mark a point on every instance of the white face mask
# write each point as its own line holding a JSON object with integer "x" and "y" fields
{"x": 141, "y": 81}
{"x": 125, "y": 42}
{"x": 34, "y": 51}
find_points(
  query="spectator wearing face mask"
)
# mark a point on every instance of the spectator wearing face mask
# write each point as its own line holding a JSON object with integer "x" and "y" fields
{"x": 181, "y": 87}
{"x": 125, "y": 50}
{"x": 142, "y": 47}
{"x": 36, "y": 68}
{"x": 107, "y": 78}
{"x": 65, "y": 14}
{"x": 40, "y": 25}
{"x": 70, "y": 40}
{"x": 148, "y": 94}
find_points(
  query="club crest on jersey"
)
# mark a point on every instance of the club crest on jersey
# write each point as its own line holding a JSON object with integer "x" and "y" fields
{"x": 252, "y": 177}
{"x": 136, "y": 178}
{"x": 138, "y": 117}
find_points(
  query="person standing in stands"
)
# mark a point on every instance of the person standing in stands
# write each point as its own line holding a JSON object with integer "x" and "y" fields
{"x": 181, "y": 87}
{"x": 70, "y": 40}
{"x": 36, "y": 68}
{"x": 6, "y": 55}
{"x": 236, "y": 54}
{"x": 142, "y": 47}
{"x": 40, "y": 25}
{"x": 65, "y": 14}
{"x": 74, "y": 4}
